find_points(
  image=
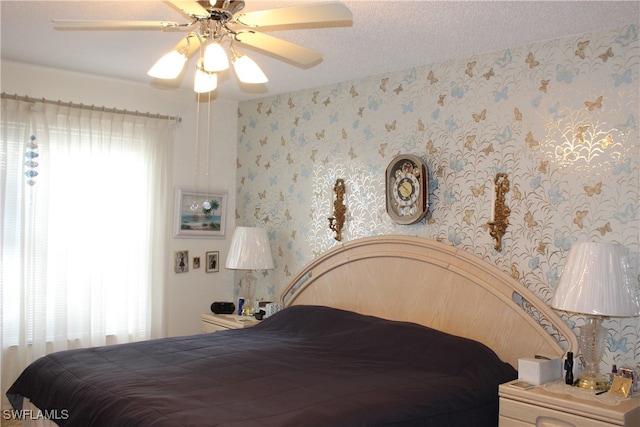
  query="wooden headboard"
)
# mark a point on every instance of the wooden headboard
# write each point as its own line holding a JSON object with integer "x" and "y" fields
{"x": 433, "y": 284}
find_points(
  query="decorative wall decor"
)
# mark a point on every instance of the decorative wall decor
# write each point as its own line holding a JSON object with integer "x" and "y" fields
{"x": 563, "y": 125}
{"x": 31, "y": 160}
{"x": 336, "y": 222}
{"x": 212, "y": 262}
{"x": 200, "y": 213}
{"x": 406, "y": 189}
{"x": 499, "y": 210}
{"x": 181, "y": 261}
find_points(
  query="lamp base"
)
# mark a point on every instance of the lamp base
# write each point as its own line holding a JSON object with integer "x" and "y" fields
{"x": 592, "y": 343}
{"x": 592, "y": 382}
{"x": 247, "y": 289}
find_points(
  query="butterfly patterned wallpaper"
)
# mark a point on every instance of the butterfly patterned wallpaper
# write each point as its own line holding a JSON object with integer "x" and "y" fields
{"x": 560, "y": 118}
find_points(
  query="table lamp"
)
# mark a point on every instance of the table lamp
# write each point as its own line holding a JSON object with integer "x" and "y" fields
{"x": 249, "y": 251}
{"x": 596, "y": 281}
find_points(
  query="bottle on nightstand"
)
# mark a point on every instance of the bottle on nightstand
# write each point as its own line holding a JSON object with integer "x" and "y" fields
{"x": 568, "y": 366}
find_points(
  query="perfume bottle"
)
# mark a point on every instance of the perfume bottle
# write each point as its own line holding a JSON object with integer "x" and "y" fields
{"x": 614, "y": 372}
{"x": 568, "y": 366}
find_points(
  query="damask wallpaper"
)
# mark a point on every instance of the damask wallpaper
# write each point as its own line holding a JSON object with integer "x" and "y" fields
{"x": 560, "y": 118}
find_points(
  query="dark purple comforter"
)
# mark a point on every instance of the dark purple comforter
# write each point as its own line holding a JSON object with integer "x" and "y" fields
{"x": 305, "y": 365}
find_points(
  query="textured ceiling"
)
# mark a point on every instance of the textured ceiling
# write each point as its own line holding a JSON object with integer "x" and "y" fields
{"x": 385, "y": 36}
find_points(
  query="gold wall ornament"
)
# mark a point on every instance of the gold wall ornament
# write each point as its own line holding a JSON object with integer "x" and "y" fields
{"x": 336, "y": 222}
{"x": 499, "y": 211}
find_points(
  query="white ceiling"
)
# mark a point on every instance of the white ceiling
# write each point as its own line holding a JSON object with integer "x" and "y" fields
{"x": 385, "y": 36}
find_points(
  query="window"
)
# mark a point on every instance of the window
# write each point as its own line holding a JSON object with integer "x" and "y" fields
{"x": 83, "y": 203}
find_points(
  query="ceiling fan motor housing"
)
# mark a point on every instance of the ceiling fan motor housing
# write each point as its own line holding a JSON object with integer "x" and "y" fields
{"x": 222, "y": 10}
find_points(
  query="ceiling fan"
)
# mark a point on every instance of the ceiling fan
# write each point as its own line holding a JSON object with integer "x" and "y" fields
{"x": 213, "y": 23}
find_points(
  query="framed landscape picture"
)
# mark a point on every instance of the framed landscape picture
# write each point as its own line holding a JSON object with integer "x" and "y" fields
{"x": 200, "y": 214}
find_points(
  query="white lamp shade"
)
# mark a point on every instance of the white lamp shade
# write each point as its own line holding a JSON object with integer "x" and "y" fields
{"x": 597, "y": 280}
{"x": 248, "y": 71}
{"x": 204, "y": 82}
{"x": 249, "y": 250}
{"x": 215, "y": 59}
{"x": 169, "y": 66}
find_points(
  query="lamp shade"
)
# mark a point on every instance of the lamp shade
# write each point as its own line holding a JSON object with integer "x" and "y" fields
{"x": 214, "y": 58}
{"x": 249, "y": 250}
{"x": 204, "y": 82}
{"x": 169, "y": 66}
{"x": 248, "y": 71}
{"x": 597, "y": 280}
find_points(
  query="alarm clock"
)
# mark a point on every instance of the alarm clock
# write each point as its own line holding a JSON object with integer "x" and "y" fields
{"x": 221, "y": 307}
{"x": 407, "y": 189}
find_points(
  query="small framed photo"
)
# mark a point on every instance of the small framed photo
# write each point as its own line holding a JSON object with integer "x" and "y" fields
{"x": 196, "y": 262}
{"x": 621, "y": 386}
{"x": 200, "y": 214}
{"x": 181, "y": 261}
{"x": 213, "y": 262}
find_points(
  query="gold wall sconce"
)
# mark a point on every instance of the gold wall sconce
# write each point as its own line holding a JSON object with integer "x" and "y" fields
{"x": 499, "y": 211}
{"x": 336, "y": 222}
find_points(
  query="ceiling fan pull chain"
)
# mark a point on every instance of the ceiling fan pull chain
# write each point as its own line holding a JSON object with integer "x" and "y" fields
{"x": 195, "y": 205}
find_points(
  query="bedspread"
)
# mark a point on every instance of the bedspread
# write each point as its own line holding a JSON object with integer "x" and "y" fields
{"x": 306, "y": 365}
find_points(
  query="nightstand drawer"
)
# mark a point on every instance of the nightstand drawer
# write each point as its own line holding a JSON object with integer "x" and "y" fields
{"x": 567, "y": 404}
{"x": 212, "y": 327}
{"x": 510, "y": 422}
{"x": 513, "y": 413}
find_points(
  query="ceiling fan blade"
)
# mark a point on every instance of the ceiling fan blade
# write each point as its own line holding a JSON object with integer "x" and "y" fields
{"x": 83, "y": 24}
{"x": 191, "y": 8}
{"x": 323, "y": 12}
{"x": 284, "y": 49}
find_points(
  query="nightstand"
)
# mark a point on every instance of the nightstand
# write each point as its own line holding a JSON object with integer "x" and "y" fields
{"x": 565, "y": 405}
{"x": 220, "y": 322}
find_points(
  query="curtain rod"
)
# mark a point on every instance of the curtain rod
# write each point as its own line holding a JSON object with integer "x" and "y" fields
{"x": 91, "y": 107}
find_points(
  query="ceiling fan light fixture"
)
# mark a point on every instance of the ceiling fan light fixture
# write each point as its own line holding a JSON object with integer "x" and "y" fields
{"x": 215, "y": 59}
{"x": 169, "y": 66}
{"x": 222, "y": 19}
{"x": 247, "y": 70}
{"x": 203, "y": 81}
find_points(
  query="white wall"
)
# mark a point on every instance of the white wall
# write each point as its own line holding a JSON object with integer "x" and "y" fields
{"x": 187, "y": 295}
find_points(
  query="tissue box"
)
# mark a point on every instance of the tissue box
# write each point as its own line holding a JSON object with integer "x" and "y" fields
{"x": 272, "y": 308}
{"x": 539, "y": 371}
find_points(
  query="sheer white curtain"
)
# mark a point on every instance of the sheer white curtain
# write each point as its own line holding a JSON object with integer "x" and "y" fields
{"x": 84, "y": 212}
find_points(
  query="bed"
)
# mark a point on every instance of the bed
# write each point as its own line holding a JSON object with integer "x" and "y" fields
{"x": 388, "y": 330}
